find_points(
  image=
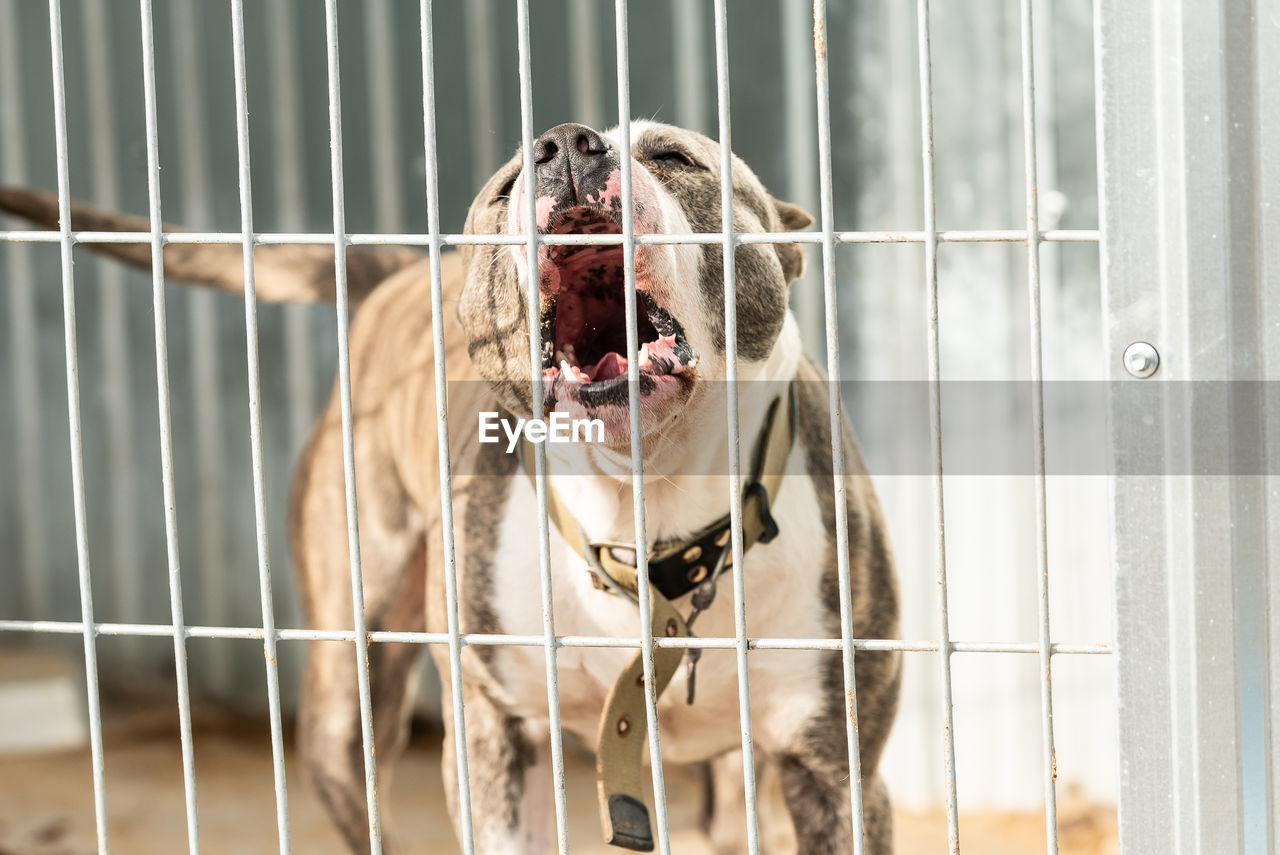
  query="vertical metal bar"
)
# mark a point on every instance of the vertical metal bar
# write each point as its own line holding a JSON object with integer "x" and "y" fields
{"x": 735, "y": 441}
{"x": 837, "y": 421}
{"x": 292, "y": 202}
{"x": 442, "y": 429}
{"x": 202, "y": 318}
{"x": 935, "y": 418}
{"x": 113, "y": 325}
{"x": 166, "y": 440}
{"x": 691, "y": 83}
{"x": 384, "y": 136}
{"x": 484, "y": 121}
{"x": 550, "y": 643}
{"x": 643, "y": 593}
{"x": 348, "y": 429}
{"x": 73, "y": 425}
{"x": 24, "y": 348}
{"x": 1037, "y": 427}
{"x": 584, "y": 61}
{"x": 245, "y": 182}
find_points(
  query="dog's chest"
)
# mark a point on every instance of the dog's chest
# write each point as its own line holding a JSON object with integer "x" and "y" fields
{"x": 783, "y": 597}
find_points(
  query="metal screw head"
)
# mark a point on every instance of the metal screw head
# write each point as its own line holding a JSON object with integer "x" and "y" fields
{"x": 1141, "y": 359}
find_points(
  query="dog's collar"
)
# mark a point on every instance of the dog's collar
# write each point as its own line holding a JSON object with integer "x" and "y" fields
{"x": 676, "y": 567}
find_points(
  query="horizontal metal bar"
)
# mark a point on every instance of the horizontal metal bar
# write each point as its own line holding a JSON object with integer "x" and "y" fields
{"x": 417, "y": 239}
{"x": 497, "y": 640}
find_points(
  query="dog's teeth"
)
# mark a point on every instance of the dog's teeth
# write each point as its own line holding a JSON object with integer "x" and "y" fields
{"x": 573, "y": 373}
{"x": 644, "y": 354}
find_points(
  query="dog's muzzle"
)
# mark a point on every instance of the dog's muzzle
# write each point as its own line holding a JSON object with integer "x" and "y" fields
{"x": 573, "y": 163}
{"x": 585, "y": 358}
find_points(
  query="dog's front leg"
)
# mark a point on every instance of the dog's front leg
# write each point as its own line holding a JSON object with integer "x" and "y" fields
{"x": 510, "y": 782}
{"x": 815, "y": 786}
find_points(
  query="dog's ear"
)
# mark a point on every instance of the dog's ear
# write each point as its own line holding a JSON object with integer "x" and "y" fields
{"x": 793, "y": 218}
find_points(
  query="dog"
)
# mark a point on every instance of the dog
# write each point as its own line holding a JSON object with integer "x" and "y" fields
{"x": 797, "y": 697}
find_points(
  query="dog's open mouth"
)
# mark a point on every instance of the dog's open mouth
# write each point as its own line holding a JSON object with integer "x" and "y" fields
{"x": 585, "y": 357}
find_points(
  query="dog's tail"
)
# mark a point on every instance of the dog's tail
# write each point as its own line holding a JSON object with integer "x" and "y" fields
{"x": 282, "y": 273}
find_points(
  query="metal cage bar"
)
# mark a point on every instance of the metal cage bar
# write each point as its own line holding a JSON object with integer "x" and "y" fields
{"x": 1037, "y": 425}
{"x": 514, "y": 640}
{"x": 643, "y": 592}
{"x": 166, "y": 440}
{"x": 339, "y": 240}
{"x": 268, "y": 632}
{"x": 735, "y": 441}
{"x": 416, "y": 239}
{"x": 836, "y": 424}
{"x": 73, "y": 424}
{"x": 531, "y": 239}
{"x": 450, "y": 568}
{"x": 935, "y": 419}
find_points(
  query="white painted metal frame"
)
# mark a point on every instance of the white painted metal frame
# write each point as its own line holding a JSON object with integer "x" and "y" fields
{"x": 828, "y": 238}
{"x": 65, "y": 244}
{"x": 531, "y": 240}
{"x": 268, "y": 634}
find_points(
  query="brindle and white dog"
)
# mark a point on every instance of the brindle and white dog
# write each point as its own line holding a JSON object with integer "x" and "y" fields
{"x": 797, "y": 697}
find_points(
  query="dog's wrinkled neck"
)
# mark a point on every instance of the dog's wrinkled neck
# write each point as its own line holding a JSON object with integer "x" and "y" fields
{"x": 684, "y": 470}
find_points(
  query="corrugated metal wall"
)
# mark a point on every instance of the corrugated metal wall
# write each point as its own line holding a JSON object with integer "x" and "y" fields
{"x": 876, "y": 161}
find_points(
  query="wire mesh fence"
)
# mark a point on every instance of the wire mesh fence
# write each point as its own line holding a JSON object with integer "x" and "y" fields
{"x": 926, "y": 240}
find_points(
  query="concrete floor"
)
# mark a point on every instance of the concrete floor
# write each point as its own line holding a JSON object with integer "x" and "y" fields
{"x": 46, "y": 803}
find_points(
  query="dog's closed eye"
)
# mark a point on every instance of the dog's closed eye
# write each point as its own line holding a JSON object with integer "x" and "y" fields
{"x": 672, "y": 158}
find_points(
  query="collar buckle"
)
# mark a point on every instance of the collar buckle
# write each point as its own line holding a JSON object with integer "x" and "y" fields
{"x": 599, "y": 576}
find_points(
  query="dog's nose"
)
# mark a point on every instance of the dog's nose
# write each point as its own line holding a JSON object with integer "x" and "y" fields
{"x": 574, "y": 143}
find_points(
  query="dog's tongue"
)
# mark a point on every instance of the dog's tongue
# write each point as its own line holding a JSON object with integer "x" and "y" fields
{"x": 612, "y": 365}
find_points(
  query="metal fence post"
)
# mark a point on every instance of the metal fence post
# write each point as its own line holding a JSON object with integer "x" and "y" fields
{"x": 1185, "y": 177}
